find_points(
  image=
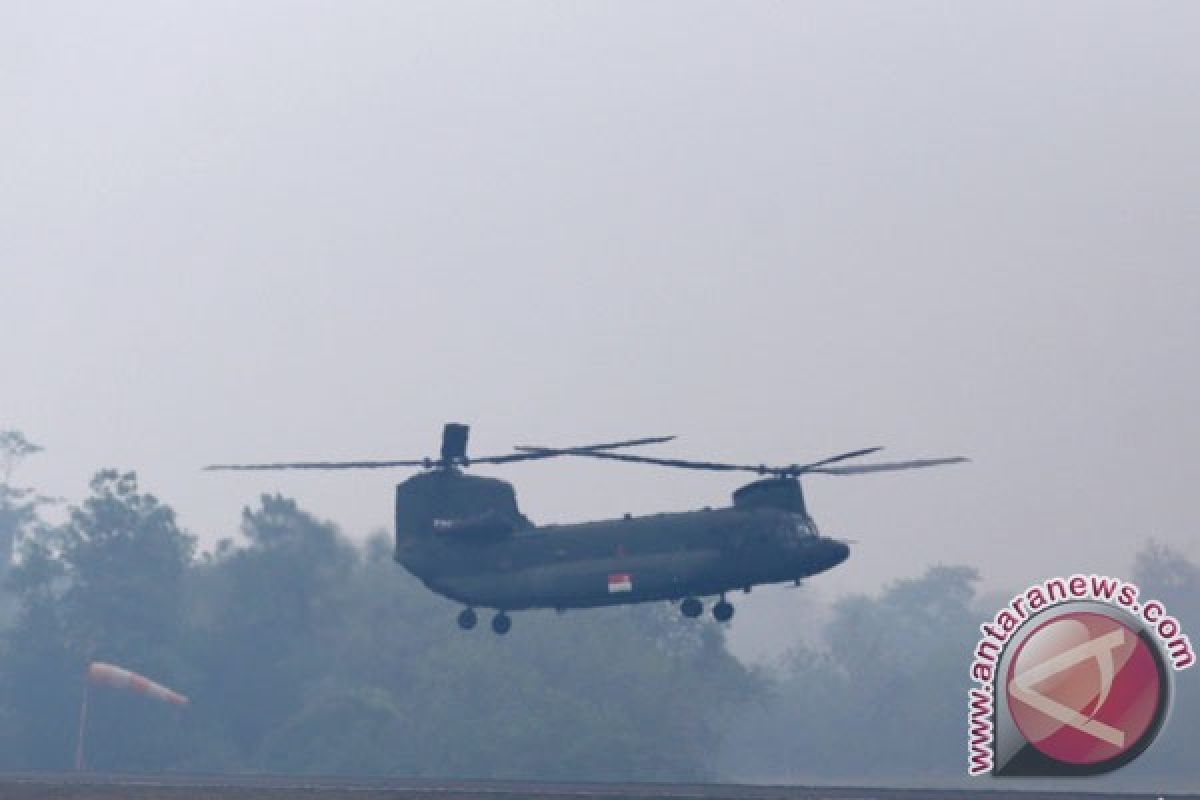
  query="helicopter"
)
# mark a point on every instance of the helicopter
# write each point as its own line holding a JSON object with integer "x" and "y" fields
{"x": 464, "y": 537}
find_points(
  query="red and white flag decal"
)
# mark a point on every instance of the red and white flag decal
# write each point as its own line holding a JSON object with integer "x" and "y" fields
{"x": 620, "y": 582}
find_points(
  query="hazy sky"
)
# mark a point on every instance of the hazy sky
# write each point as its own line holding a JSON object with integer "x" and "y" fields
{"x": 295, "y": 230}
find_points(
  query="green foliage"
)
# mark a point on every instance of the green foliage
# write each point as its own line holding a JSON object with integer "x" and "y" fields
{"x": 883, "y": 698}
{"x": 304, "y": 654}
{"x": 1166, "y": 575}
{"x": 14, "y": 447}
{"x": 372, "y": 676}
{"x": 263, "y": 612}
{"x": 102, "y": 586}
{"x": 18, "y": 506}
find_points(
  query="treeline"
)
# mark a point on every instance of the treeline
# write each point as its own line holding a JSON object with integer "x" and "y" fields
{"x": 304, "y": 653}
{"x": 883, "y": 696}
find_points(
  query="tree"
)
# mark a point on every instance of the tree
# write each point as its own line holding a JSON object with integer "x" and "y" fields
{"x": 260, "y": 612}
{"x": 18, "y": 506}
{"x": 303, "y": 653}
{"x": 105, "y": 585}
{"x": 884, "y": 697}
{"x": 1165, "y": 574}
{"x": 619, "y": 693}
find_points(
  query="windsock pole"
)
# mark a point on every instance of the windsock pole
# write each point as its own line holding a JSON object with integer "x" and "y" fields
{"x": 83, "y": 710}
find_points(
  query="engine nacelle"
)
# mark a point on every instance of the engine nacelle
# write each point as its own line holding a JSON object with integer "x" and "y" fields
{"x": 447, "y": 501}
{"x": 781, "y": 493}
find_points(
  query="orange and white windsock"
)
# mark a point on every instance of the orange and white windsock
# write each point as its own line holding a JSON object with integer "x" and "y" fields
{"x": 118, "y": 678}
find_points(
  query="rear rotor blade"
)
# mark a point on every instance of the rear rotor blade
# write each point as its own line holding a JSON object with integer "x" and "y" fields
{"x": 588, "y": 447}
{"x": 528, "y": 453}
{"x": 662, "y": 462}
{"x": 428, "y": 463}
{"x": 322, "y": 465}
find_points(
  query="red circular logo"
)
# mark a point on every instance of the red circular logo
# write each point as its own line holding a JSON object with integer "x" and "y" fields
{"x": 1084, "y": 688}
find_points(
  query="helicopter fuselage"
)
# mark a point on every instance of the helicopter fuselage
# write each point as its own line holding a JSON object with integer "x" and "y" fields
{"x": 463, "y": 537}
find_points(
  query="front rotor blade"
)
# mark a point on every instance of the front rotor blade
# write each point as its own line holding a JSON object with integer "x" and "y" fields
{"x": 511, "y": 457}
{"x": 759, "y": 469}
{"x": 321, "y": 465}
{"x": 889, "y": 467}
{"x": 842, "y": 457}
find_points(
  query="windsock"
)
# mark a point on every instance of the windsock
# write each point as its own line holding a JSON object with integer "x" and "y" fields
{"x": 108, "y": 675}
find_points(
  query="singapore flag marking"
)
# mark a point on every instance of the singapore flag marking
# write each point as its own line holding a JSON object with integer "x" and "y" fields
{"x": 620, "y": 582}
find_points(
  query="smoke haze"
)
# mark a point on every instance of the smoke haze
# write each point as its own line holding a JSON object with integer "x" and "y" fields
{"x": 303, "y": 230}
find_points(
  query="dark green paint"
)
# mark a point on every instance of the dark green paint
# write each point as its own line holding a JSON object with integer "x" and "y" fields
{"x": 465, "y": 538}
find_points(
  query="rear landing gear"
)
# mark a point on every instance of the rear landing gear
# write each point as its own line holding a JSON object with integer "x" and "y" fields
{"x": 501, "y": 623}
{"x": 691, "y": 607}
{"x": 467, "y": 619}
{"x": 723, "y": 611}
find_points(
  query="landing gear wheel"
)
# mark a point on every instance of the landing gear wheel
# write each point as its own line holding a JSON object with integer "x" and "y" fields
{"x": 691, "y": 607}
{"x": 501, "y": 623}
{"x": 467, "y": 619}
{"x": 723, "y": 611}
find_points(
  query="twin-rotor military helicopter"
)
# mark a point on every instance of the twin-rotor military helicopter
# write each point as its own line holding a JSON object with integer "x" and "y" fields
{"x": 464, "y": 537}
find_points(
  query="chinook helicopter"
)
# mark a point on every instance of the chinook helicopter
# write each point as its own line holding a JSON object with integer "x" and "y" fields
{"x": 464, "y": 537}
